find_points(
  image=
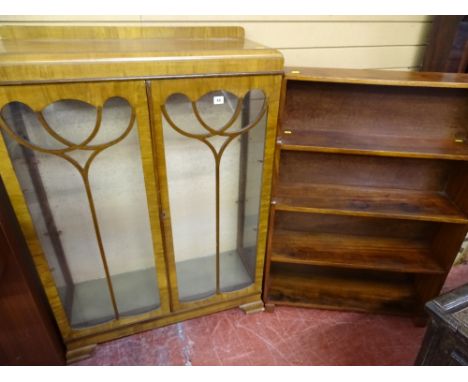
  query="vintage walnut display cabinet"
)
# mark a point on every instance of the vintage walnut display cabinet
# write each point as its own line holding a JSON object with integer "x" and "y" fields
{"x": 370, "y": 196}
{"x": 139, "y": 164}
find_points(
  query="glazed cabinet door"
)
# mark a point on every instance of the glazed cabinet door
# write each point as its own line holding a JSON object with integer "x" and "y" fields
{"x": 78, "y": 165}
{"x": 214, "y": 141}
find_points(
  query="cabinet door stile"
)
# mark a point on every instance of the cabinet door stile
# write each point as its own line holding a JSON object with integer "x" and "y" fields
{"x": 155, "y": 101}
{"x": 151, "y": 185}
{"x": 152, "y": 94}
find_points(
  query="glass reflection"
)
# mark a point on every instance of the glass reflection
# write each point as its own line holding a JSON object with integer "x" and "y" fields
{"x": 80, "y": 170}
{"x": 214, "y": 161}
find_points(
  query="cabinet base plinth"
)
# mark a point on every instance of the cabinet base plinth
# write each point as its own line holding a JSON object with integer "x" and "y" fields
{"x": 253, "y": 307}
{"x": 80, "y": 354}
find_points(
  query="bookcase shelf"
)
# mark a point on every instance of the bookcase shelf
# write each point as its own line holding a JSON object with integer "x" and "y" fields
{"x": 366, "y": 201}
{"x": 380, "y": 145}
{"x": 354, "y": 251}
{"x": 343, "y": 289}
{"x": 370, "y": 196}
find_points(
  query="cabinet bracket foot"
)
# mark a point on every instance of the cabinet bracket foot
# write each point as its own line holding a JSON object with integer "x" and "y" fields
{"x": 253, "y": 307}
{"x": 80, "y": 354}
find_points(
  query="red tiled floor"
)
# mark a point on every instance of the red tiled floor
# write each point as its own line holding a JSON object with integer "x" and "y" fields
{"x": 288, "y": 336}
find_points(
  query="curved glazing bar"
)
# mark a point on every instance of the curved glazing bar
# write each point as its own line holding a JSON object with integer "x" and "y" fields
{"x": 77, "y": 171}
{"x": 212, "y": 191}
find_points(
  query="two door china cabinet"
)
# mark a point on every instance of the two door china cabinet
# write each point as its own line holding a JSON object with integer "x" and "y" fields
{"x": 139, "y": 164}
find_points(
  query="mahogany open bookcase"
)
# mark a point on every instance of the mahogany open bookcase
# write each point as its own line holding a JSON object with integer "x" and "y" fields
{"x": 370, "y": 193}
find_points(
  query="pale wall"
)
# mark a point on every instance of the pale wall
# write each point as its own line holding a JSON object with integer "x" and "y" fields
{"x": 384, "y": 42}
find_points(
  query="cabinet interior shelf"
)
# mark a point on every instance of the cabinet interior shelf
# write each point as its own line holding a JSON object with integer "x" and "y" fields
{"x": 353, "y": 251}
{"x": 359, "y": 290}
{"x": 369, "y": 144}
{"x": 368, "y": 201}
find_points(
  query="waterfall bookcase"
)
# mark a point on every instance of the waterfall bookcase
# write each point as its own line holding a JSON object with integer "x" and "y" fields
{"x": 370, "y": 195}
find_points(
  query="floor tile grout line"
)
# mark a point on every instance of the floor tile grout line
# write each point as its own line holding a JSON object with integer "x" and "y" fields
{"x": 186, "y": 347}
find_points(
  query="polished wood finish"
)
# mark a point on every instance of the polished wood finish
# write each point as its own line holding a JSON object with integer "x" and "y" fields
{"x": 253, "y": 307}
{"x": 28, "y": 332}
{"x": 355, "y": 143}
{"x": 349, "y": 251}
{"x": 270, "y": 308}
{"x": 93, "y": 53}
{"x": 359, "y": 290}
{"x": 413, "y": 132}
{"x": 109, "y": 32}
{"x": 370, "y": 192}
{"x": 377, "y": 77}
{"x": 79, "y": 354}
{"x": 41, "y": 65}
{"x": 362, "y": 201}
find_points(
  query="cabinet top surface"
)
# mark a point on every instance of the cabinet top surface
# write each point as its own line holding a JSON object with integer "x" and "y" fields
{"x": 42, "y": 54}
{"x": 378, "y": 77}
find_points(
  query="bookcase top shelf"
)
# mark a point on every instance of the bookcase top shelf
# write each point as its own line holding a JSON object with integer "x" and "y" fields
{"x": 356, "y": 113}
{"x": 378, "y": 77}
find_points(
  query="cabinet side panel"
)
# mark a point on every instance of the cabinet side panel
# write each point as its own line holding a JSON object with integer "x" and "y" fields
{"x": 22, "y": 213}
{"x": 28, "y": 333}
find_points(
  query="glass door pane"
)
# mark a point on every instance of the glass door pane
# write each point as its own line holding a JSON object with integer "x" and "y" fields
{"x": 214, "y": 162}
{"x": 80, "y": 170}
{"x": 191, "y": 182}
{"x": 240, "y": 204}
